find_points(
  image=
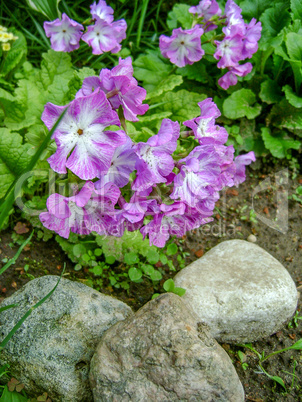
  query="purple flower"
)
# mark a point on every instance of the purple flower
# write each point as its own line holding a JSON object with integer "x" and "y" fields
{"x": 82, "y": 132}
{"x": 240, "y": 162}
{"x": 235, "y": 22}
{"x": 67, "y": 214}
{"x": 102, "y": 11}
{"x": 200, "y": 171}
{"x": 104, "y": 36}
{"x": 230, "y": 51}
{"x": 120, "y": 87}
{"x": 64, "y": 34}
{"x": 122, "y": 164}
{"x": 154, "y": 161}
{"x": 251, "y": 38}
{"x": 230, "y": 78}
{"x": 183, "y": 47}
{"x": 206, "y": 9}
{"x": 124, "y": 89}
{"x": 85, "y": 212}
{"x": 204, "y": 126}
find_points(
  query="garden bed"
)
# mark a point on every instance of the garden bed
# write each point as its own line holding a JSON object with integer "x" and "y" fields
{"x": 234, "y": 219}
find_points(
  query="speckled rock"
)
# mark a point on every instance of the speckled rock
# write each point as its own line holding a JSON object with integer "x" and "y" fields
{"x": 52, "y": 350}
{"x": 240, "y": 291}
{"x": 161, "y": 354}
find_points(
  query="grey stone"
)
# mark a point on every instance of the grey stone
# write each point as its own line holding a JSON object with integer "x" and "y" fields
{"x": 52, "y": 349}
{"x": 162, "y": 354}
{"x": 252, "y": 238}
{"x": 240, "y": 291}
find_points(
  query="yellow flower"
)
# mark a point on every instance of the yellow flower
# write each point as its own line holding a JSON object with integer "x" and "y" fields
{"x": 3, "y": 29}
{"x": 5, "y": 47}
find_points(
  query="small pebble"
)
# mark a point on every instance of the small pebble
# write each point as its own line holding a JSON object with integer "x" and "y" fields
{"x": 252, "y": 238}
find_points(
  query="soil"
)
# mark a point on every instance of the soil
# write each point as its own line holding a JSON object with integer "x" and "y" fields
{"x": 233, "y": 220}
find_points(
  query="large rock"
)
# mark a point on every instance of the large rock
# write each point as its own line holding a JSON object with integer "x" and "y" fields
{"x": 240, "y": 291}
{"x": 52, "y": 350}
{"x": 162, "y": 354}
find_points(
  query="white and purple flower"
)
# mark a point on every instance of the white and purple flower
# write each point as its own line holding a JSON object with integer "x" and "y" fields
{"x": 204, "y": 127}
{"x": 102, "y": 11}
{"x": 183, "y": 47}
{"x": 104, "y": 36}
{"x": 230, "y": 78}
{"x": 83, "y": 145}
{"x": 64, "y": 34}
{"x": 154, "y": 161}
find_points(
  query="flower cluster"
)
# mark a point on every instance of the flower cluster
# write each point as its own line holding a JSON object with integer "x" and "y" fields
{"x": 104, "y": 35}
{"x": 5, "y": 38}
{"x": 167, "y": 196}
{"x": 240, "y": 40}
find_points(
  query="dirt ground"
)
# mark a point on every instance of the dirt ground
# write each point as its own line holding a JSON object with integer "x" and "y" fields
{"x": 234, "y": 219}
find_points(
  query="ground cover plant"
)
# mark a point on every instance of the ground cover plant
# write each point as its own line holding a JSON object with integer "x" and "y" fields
{"x": 165, "y": 105}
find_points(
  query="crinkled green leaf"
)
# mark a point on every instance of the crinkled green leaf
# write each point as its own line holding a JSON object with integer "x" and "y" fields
{"x": 239, "y": 104}
{"x": 292, "y": 98}
{"x": 15, "y": 55}
{"x": 284, "y": 115}
{"x": 278, "y": 144}
{"x": 85, "y": 72}
{"x": 167, "y": 84}
{"x": 196, "y": 71}
{"x": 270, "y": 92}
{"x": 273, "y": 19}
{"x": 182, "y": 104}
{"x": 180, "y": 16}
{"x": 54, "y": 64}
{"x": 254, "y": 9}
{"x": 296, "y": 7}
{"x": 13, "y": 158}
{"x": 150, "y": 69}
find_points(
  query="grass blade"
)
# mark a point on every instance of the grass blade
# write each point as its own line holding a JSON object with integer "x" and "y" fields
{"x": 27, "y": 314}
{"x": 14, "y": 259}
{"x": 141, "y": 22}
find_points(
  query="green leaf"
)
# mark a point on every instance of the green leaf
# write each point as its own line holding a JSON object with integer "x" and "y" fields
{"x": 292, "y": 98}
{"x": 284, "y": 115}
{"x": 179, "y": 291}
{"x": 296, "y": 7}
{"x": 273, "y": 20}
{"x": 14, "y": 396}
{"x": 150, "y": 69}
{"x": 254, "y": 9}
{"x": 148, "y": 269}
{"x": 110, "y": 259}
{"x": 47, "y": 7}
{"x": 270, "y": 92}
{"x": 180, "y": 13}
{"x": 55, "y": 64}
{"x": 163, "y": 259}
{"x": 16, "y": 54}
{"x": 152, "y": 256}
{"x": 277, "y": 379}
{"x": 135, "y": 274}
{"x": 297, "y": 345}
{"x": 14, "y": 158}
{"x": 172, "y": 249}
{"x": 16, "y": 256}
{"x": 169, "y": 285}
{"x": 167, "y": 84}
{"x": 156, "y": 275}
{"x": 98, "y": 252}
{"x": 294, "y": 48}
{"x": 239, "y": 104}
{"x": 182, "y": 104}
{"x": 131, "y": 258}
{"x": 278, "y": 144}
{"x": 79, "y": 250}
{"x": 196, "y": 71}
